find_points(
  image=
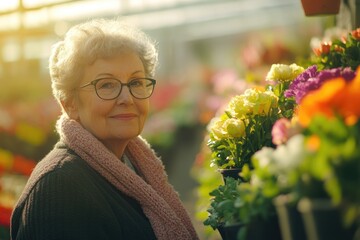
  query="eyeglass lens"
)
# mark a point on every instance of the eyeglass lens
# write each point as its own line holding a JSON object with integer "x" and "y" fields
{"x": 109, "y": 88}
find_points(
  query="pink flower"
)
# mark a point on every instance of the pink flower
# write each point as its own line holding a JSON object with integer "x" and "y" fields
{"x": 280, "y": 131}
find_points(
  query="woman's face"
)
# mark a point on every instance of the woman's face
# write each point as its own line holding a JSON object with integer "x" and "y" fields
{"x": 116, "y": 121}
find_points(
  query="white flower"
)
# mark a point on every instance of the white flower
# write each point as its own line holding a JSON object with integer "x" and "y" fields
{"x": 289, "y": 155}
{"x": 264, "y": 156}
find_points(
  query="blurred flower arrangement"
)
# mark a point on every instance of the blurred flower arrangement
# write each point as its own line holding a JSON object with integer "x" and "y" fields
{"x": 162, "y": 124}
{"x": 330, "y": 118}
{"x": 26, "y": 134}
{"x": 320, "y": 159}
{"x": 314, "y": 150}
{"x": 337, "y": 51}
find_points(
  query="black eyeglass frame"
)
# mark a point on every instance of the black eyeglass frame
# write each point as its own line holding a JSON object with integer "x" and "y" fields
{"x": 94, "y": 82}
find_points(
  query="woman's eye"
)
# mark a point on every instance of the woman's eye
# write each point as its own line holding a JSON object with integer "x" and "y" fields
{"x": 136, "y": 83}
{"x": 106, "y": 84}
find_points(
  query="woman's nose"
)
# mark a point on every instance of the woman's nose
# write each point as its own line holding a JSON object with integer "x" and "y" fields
{"x": 125, "y": 95}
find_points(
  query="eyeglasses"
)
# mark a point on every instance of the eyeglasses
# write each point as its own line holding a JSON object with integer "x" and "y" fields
{"x": 110, "y": 88}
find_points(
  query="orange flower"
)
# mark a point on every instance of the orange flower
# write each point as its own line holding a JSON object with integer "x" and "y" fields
{"x": 356, "y": 33}
{"x": 324, "y": 49}
{"x": 343, "y": 39}
{"x": 334, "y": 96}
{"x": 313, "y": 143}
{"x": 351, "y": 120}
{"x": 339, "y": 49}
{"x": 350, "y": 105}
{"x": 321, "y": 101}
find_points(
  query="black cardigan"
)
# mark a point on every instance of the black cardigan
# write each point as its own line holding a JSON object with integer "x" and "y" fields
{"x": 66, "y": 199}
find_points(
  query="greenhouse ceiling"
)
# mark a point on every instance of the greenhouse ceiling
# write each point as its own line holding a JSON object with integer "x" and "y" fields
{"x": 37, "y": 17}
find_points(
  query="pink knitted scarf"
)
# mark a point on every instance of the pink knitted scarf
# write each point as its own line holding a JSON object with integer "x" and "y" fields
{"x": 159, "y": 201}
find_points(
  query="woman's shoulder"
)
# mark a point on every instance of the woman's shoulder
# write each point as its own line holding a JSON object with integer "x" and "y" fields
{"x": 50, "y": 187}
{"x": 60, "y": 166}
{"x": 65, "y": 191}
{"x": 60, "y": 160}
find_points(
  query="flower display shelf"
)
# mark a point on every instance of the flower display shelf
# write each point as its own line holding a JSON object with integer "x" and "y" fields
{"x": 322, "y": 221}
{"x": 290, "y": 220}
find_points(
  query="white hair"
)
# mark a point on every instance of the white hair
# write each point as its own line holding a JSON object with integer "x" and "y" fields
{"x": 86, "y": 42}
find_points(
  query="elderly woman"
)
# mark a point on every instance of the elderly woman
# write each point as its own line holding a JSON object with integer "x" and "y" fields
{"x": 101, "y": 180}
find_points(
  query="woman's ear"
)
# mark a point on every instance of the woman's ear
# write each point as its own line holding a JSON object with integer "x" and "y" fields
{"x": 71, "y": 109}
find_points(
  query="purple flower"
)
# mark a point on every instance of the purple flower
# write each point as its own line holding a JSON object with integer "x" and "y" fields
{"x": 301, "y": 85}
{"x": 311, "y": 80}
{"x": 348, "y": 74}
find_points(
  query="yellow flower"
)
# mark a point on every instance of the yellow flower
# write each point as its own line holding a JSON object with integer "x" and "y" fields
{"x": 6, "y": 159}
{"x": 30, "y": 134}
{"x": 235, "y": 127}
{"x": 283, "y": 72}
{"x": 216, "y": 127}
{"x": 265, "y": 101}
{"x": 238, "y": 107}
{"x": 252, "y": 102}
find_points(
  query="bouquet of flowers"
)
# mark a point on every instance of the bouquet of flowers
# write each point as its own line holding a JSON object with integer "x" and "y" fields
{"x": 245, "y": 126}
{"x": 241, "y": 130}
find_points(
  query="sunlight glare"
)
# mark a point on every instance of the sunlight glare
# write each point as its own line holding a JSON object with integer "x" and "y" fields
{"x": 11, "y": 50}
{"x": 38, "y": 3}
{"x": 35, "y": 18}
{"x": 84, "y": 9}
{"x": 9, "y": 21}
{"x": 8, "y": 5}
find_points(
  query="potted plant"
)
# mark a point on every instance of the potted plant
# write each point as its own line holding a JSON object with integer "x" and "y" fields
{"x": 296, "y": 165}
{"x": 241, "y": 211}
{"x": 239, "y": 131}
{"x": 245, "y": 125}
{"x": 320, "y": 7}
{"x": 330, "y": 118}
{"x": 235, "y": 136}
{"x": 338, "y": 51}
{"x": 278, "y": 173}
{"x": 223, "y": 212}
{"x": 322, "y": 174}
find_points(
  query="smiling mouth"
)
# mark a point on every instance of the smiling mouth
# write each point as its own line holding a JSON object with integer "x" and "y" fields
{"x": 125, "y": 116}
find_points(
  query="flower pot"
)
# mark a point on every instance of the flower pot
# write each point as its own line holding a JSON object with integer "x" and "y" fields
{"x": 320, "y": 7}
{"x": 230, "y": 232}
{"x": 233, "y": 173}
{"x": 290, "y": 220}
{"x": 258, "y": 229}
{"x": 322, "y": 220}
{"x": 264, "y": 229}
